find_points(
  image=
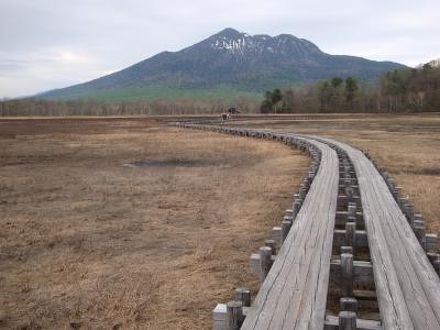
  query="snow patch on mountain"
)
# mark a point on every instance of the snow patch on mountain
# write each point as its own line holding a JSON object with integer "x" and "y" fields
{"x": 229, "y": 44}
{"x": 243, "y": 44}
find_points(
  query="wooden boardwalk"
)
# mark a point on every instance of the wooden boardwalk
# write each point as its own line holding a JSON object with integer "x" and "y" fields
{"x": 294, "y": 292}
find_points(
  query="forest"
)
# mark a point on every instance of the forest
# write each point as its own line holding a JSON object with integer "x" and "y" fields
{"x": 405, "y": 90}
{"x": 35, "y": 107}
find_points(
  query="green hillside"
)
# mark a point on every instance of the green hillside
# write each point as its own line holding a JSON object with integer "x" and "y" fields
{"x": 159, "y": 93}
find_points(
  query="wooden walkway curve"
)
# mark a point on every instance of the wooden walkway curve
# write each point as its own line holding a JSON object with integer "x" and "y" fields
{"x": 294, "y": 292}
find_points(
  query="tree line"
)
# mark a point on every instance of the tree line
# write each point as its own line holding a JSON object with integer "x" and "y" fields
{"x": 36, "y": 107}
{"x": 404, "y": 90}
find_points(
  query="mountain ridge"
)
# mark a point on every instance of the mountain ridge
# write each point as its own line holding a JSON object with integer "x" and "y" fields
{"x": 236, "y": 60}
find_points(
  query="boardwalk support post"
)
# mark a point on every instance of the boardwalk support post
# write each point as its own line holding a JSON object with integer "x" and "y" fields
{"x": 296, "y": 206}
{"x": 348, "y": 304}
{"x": 396, "y": 193}
{"x": 243, "y": 295}
{"x": 350, "y": 235}
{"x": 220, "y": 317}
{"x": 285, "y": 227}
{"x": 436, "y": 264}
{"x": 431, "y": 242}
{"x": 347, "y": 274}
{"x": 347, "y": 320}
{"x": 351, "y": 209}
{"x": 272, "y": 244}
{"x": 234, "y": 310}
{"x": 419, "y": 230}
{"x": 277, "y": 235}
{"x": 265, "y": 261}
{"x": 346, "y": 249}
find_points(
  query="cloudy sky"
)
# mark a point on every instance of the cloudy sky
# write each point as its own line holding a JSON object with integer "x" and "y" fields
{"x": 46, "y": 44}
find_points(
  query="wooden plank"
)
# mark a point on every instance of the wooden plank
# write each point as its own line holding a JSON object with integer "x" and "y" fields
{"x": 408, "y": 289}
{"x": 294, "y": 294}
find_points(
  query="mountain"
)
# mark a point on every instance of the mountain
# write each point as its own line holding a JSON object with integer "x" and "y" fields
{"x": 231, "y": 59}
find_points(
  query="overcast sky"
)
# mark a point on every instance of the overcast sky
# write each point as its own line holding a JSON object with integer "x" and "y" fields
{"x": 46, "y": 44}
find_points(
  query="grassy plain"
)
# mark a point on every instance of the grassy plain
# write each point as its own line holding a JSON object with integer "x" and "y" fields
{"x": 90, "y": 241}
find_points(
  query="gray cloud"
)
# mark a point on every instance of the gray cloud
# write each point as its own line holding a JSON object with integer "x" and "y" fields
{"x": 49, "y": 44}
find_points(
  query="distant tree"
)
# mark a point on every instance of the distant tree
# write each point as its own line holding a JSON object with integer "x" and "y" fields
{"x": 277, "y": 96}
{"x": 266, "y": 106}
{"x": 351, "y": 86}
{"x": 289, "y": 99}
{"x": 272, "y": 101}
{"x": 325, "y": 95}
{"x": 336, "y": 82}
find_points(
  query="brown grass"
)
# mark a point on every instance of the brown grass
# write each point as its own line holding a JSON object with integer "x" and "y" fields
{"x": 407, "y": 146}
{"x": 89, "y": 243}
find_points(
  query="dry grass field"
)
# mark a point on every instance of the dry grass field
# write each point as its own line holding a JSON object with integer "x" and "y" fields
{"x": 128, "y": 223}
{"x": 407, "y": 146}
{"x": 88, "y": 243}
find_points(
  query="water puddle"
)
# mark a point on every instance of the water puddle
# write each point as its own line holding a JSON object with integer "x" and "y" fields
{"x": 165, "y": 164}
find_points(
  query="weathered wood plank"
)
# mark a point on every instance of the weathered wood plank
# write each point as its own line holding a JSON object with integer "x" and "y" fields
{"x": 408, "y": 289}
{"x": 294, "y": 293}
